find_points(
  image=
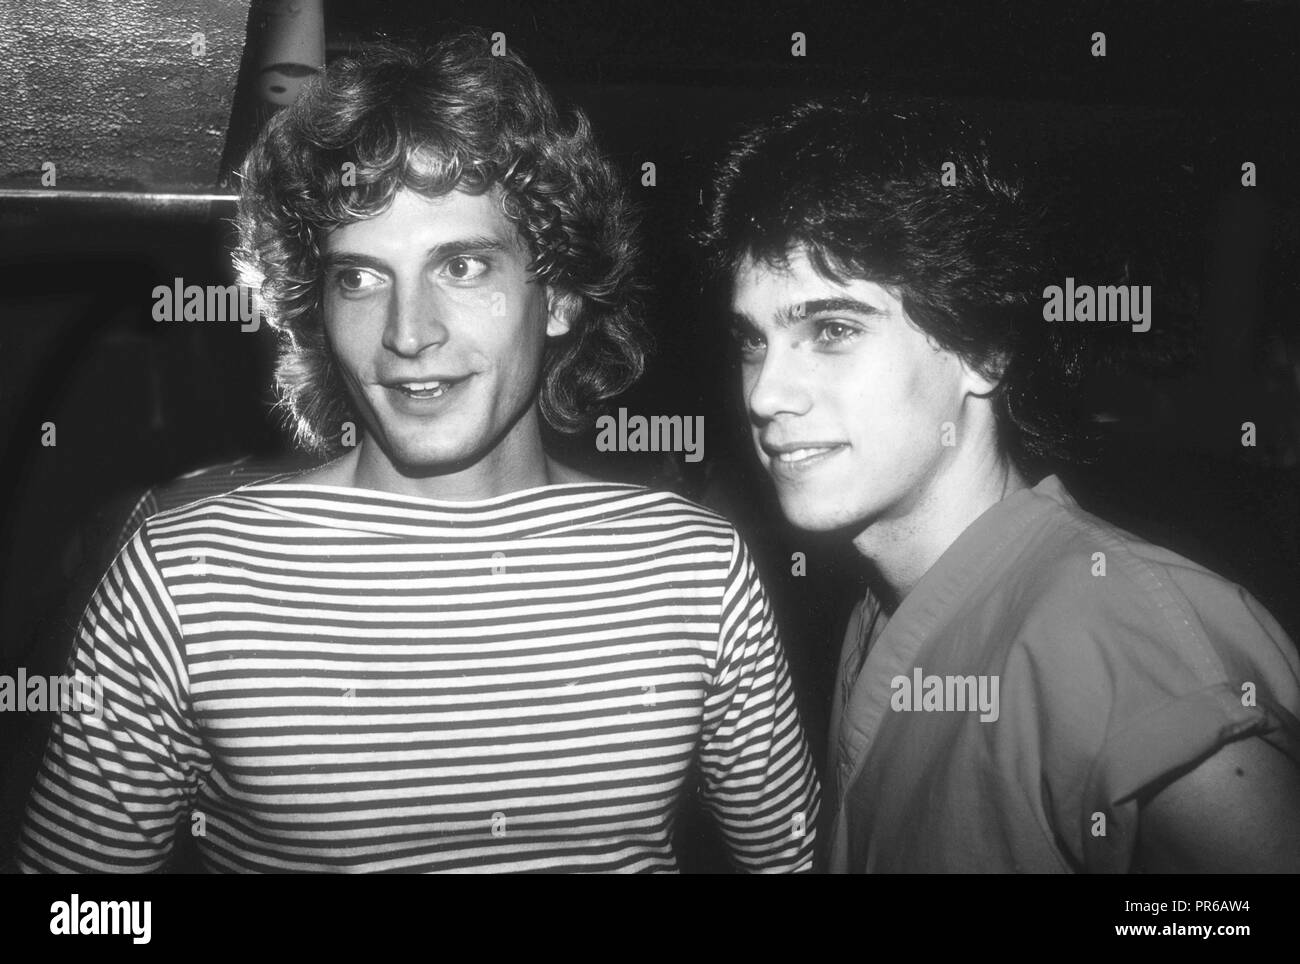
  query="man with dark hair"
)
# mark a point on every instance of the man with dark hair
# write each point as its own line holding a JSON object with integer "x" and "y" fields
{"x": 1025, "y": 687}
{"x": 440, "y": 650}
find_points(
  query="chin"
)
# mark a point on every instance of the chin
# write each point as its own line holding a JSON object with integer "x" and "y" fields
{"x": 810, "y": 518}
{"x": 826, "y": 513}
{"x": 424, "y": 459}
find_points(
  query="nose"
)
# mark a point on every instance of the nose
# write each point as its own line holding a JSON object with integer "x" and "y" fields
{"x": 780, "y": 385}
{"x": 415, "y": 320}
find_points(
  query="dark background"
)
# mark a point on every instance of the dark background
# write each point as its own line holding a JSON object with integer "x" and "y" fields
{"x": 1141, "y": 152}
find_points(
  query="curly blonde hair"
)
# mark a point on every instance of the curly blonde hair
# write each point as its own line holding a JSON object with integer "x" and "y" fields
{"x": 448, "y": 117}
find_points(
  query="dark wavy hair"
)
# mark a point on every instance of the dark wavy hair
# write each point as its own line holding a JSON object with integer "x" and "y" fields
{"x": 857, "y": 184}
{"x": 436, "y": 119}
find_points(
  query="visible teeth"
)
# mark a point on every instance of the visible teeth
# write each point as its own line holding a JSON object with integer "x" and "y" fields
{"x": 798, "y": 455}
{"x": 424, "y": 389}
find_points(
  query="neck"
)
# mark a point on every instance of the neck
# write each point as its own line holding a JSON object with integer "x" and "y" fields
{"x": 902, "y": 548}
{"x": 517, "y": 462}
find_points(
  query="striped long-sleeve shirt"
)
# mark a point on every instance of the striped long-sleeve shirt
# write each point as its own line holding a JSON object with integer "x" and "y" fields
{"x": 332, "y": 679}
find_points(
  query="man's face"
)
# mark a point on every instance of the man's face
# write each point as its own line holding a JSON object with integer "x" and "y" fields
{"x": 437, "y": 328}
{"x": 847, "y": 398}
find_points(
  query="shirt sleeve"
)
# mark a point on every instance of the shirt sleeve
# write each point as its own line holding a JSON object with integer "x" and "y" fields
{"x": 1162, "y": 667}
{"x": 758, "y": 780}
{"x": 117, "y": 774}
{"x": 145, "y": 506}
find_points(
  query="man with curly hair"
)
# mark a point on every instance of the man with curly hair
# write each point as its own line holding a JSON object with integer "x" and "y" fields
{"x": 1025, "y": 688}
{"x": 441, "y": 650}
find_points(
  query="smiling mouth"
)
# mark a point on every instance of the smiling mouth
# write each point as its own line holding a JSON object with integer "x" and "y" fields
{"x": 429, "y": 388}
{"x": 803, "y": 455}
{"x": 792, "y": 463}
{"x": 423, "y": 389}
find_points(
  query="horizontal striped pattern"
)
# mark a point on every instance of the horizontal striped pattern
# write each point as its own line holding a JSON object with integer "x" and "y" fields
{"x": 204, "y": 483}
{"x": 336, "y": 679}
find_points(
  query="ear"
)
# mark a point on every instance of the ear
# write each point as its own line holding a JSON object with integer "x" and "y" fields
{"x": 982, "y": 380}
{"x": 561, "y": 312}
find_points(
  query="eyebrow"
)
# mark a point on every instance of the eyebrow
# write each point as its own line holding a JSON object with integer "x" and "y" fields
{"x": 791, "y": 315}
{"x": 479, "y": 244}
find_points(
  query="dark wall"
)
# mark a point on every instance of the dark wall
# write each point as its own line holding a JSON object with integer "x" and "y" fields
{"x": 117, "y": 95}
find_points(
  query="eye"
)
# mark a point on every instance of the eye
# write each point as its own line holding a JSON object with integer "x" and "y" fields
{"x": 466, "y": 267}
{"x": 835, "y": 332}
{"x": 357, "y": 279}
{"x": 747, "y": 340}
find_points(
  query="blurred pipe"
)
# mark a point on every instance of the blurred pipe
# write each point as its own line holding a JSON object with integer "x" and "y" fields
{"x": 293, "y": 49}
{"x": 124, "y": 197}
{"x": 29, "y": 205}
